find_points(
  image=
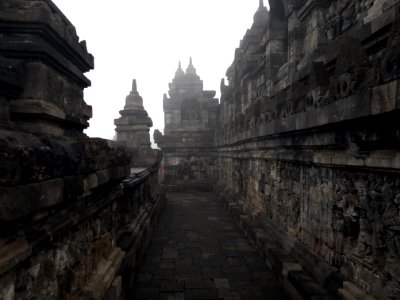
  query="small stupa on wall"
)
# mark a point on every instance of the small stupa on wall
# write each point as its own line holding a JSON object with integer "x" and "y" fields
{"x": 133, "y": 127}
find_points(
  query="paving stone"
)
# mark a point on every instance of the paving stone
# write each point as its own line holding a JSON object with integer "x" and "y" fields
{"x": 212, "y": 273}
{"x": 251, "y": 293}
{"x": 172, "y": 286}
{"x": 199, "y": 284}
{"x": 227, "y": 269}
{"x": 163, "y": 274}
{"x": 199, "y": 253}
{"x": 169, "y": 253}
{"x": 201, "y": 294}
{"x": 228, "y": 294}
{"x": 146, "y": 293}
{"x": 187, "y": 270}
{"x": 221, "y": 283}
{"x": 144, "y": 277}
{"x": 188, "y": 277}
{"x": 172, "y": 296}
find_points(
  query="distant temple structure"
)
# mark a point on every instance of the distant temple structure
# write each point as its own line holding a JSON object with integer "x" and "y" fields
{"x": 190, "y": 122}
{"x": 133, "y": 128}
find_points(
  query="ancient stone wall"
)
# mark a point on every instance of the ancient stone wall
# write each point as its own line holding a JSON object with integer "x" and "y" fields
{"x": 74, "y": 219}
{"x": 309, "y": 140}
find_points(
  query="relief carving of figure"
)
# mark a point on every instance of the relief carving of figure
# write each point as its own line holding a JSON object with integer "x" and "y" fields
{"x": 391, "y": 221}
{"x": 392, "y": 288}
{"x": 364, "y": 241}
{"x": 349, "y": 11}
{"x": 338, "y": 227}
{"x": 375, "y": 209}
{"x": 333, "y": 27}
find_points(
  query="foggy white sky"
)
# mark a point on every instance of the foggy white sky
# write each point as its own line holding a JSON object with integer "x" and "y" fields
{"x": 145, "y": 39}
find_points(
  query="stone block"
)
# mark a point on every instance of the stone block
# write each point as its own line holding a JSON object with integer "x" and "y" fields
{"x": 221, "y": 283}
{"x": 8, "y": 293}
{"x": 12, "y": 254}
{"x": 73, "y": 187}
{"x": 28, "y": 199}
{"x": 90, "y": 182}
{"x": 103, "y": 176}
{"x": 354, "y": 291}
{"x": 4, "y": 112}
{"x": 36, "y": 106}
{"x": 115, "y": 290}
{"x": 383, "y": 98}
{"x": 290, "y": 267}
{"x": 306, "y": 287}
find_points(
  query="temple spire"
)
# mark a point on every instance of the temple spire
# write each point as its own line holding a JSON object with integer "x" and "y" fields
{"x": 133, "y": 100}
{"x": 190, "y": 69}
{"x": 179, "y": 72}
{"x": 134, "y": 86}
{"x": 261, "y": 16}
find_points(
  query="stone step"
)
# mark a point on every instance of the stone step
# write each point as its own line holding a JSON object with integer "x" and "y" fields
{"x": 104, "y": 276}
{"x": 306, "y": 287}
{"x": 345, "y": 295}
{"x": 355, "y": 292}
{"x": 115, "y": 291}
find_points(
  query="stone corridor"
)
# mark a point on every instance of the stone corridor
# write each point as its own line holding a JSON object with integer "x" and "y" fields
{"x": 198, "y": 252}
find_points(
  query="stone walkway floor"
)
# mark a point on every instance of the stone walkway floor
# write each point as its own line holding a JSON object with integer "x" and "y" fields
{"x": 198, "y": 252}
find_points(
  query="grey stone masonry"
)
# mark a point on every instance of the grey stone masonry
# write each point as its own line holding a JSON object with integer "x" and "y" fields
{"x": 45, "y": 53}
{"x": 74, "y": 219}
{"x": 308, "y": 141}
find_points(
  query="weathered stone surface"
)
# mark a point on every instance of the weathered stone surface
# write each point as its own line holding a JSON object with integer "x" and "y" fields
{"x": 328, "y": 198}
{"x": 12, "y": 254}
{"x": 47, "y": 53}
{"x": 23, "y": 200}
{"x": 65, "y": 199}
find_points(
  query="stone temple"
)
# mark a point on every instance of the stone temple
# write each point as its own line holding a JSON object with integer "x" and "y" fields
{"x": 190, "y": 115}
{"x": 287, "y": 187}
{"x": 133, "y": 129}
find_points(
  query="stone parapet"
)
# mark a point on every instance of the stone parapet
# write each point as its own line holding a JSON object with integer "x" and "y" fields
{"x": 66, "y": 237}
{"x": 67, "y": 202}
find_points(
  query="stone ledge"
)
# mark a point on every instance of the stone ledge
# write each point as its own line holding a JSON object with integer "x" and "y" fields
{"x": 103, "y": 277}
{"x": 296, "y": 281}
{"x": 12, "y": 254}
{"x": 135, "y": 239}
{"x": 188, "y": 187}
{"x": 30, "y": 16}
{"x": 27, "y": 199}
{"x": 27, "y": 158}
{"x": 350, "y": 291}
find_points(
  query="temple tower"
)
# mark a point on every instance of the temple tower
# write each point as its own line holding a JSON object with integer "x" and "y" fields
{"x": 190, "y": 119}
{"x": 133, "y": 128}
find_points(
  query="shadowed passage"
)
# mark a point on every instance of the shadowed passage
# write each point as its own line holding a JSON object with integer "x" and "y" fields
{"x": 198, "y": 252}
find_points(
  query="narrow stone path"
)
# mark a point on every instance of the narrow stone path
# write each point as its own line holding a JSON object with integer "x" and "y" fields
{"x": 198, "y": 252}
